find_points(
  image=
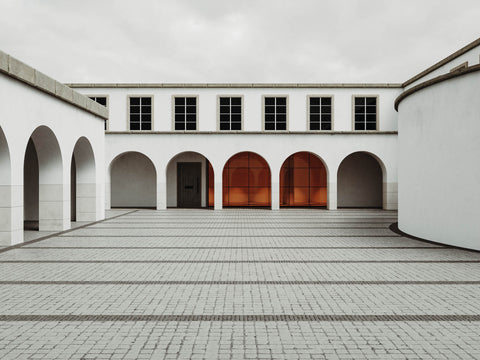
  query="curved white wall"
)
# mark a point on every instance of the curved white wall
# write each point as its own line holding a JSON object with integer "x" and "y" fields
{"x": 439, "y": 162}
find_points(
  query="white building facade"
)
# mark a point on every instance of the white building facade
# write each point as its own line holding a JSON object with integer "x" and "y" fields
{"x": 210, "y": 143}
{"x": 77, "y": 150}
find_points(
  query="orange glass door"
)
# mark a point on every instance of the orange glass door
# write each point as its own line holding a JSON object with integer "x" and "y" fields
{"x": 303, "y": 181}
{"x": 246, "y": 181}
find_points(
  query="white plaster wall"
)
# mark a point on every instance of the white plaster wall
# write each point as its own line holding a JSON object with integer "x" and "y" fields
{"x": 439, "y": 171}
{"x": 472, "y": 57}
{"x": 172, "y": 177}
{"x": 275, "y": 148}
{"x": 133, "y": 181}
{"x": 252, "y": 100}
{"x": 24, "y": 109}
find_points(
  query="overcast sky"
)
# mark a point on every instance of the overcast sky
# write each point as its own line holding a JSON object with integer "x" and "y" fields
{"x": 235, "y": 41}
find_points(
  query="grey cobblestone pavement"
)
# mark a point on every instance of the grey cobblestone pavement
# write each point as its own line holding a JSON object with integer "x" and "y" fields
{"x": 239, "y": 284}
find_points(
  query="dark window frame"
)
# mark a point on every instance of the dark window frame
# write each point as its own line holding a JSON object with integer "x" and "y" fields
{"x": 232, "y": 110}
{"x": 320, "y": 119}
{"x": 184, "y": 112}
{"x": 365, "y": 112}
{"x": 95, "y": 98}
{"x": 140, "y": 112}
{"x": 273, "y": 117}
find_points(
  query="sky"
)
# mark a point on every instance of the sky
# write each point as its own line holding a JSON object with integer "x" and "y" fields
{"x": 242, "y": 41}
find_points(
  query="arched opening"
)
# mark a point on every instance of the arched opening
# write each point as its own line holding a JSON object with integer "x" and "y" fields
{"x": 303, "y": 181}
{"x": 190, "y": 181}
{"x": 359, "y": 182}
{"x": 43, "y": 183}
{"x": 246, "y": 181}
{"x": 5, "y": 192}
{"x": 133, "y": 181}
{"x": 83, "y": 182}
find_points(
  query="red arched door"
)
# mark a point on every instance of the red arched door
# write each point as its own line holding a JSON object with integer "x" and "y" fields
{"x": 246, "y": 181}
{"x": 303, "y": 181}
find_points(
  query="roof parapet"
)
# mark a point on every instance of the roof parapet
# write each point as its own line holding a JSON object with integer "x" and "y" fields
{"x": 16, "y": 69}
{"x": 233, "y": 85}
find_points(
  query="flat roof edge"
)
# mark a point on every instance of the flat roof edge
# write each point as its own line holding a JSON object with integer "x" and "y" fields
{"x": 436, "y": 80}
{"x": 442, "y": 62}
{"x": 234, "y": 85}
{"x": 242, "y": 132}
{"x": 20, "y": 71}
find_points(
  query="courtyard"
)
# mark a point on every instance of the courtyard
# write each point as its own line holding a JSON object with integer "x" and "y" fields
{"x": 238, "y": 284}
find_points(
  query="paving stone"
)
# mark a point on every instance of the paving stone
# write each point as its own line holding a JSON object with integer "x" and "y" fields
{"x": 239, "y": 284}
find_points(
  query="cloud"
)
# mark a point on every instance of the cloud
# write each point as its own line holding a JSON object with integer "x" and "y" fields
{"x": 241, "y": 41}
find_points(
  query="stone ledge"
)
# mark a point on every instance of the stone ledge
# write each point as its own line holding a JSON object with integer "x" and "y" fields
{"x": 237, "y": 85}
{"x": 318, "y": 133}
{"x": 16, "y": 69}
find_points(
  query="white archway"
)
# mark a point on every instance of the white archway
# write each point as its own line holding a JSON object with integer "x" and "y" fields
{"x": 133, "y": 181}
{"x": 360, "y": 181}
{"x": 247, "y": 181}
{"x": 43, "y": 182}
{"x": 190, "y": 180}
{"x": 83, "y": 185}
{"x": 303, "y": 180}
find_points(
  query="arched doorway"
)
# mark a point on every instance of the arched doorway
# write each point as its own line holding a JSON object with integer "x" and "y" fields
{"x": 303, "y": 181}
{"x": 360, "y": 182}
{"x": 246, "y": 181}
{"x": 190, "y": 181}
{"x": 43, "y": 197}
{"x": 133, "y": 181}
{"x": 5, "y": 192}
{"x": 83, "y": 183}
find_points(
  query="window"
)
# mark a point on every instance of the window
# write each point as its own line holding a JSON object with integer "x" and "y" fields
{"x": 102, "y": 100}
{"x": 275, "y": 113}
{"x": 185, "y": 113}
{"x": 365, "y": 113}
{"x": 140, "y": 113}
{"x": 320, "y": 113}
{"x": 230, "y": 113}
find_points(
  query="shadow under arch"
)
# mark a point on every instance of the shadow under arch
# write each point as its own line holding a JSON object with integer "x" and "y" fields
{"x": 43, "y": 183}
{"x": 246, "y": 181}
{"x": 5, "y": 191}
{"x": 83, "y": 189}
{"x": 360, "y": 179}
{"x": 303, "y": 181}
{"x": 133, "y": 181}
{"x": 190, "y": 181}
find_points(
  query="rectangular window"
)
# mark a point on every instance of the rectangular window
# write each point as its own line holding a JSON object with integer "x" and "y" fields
{"x": 365, "y": 112}
{"x": 140, "y": 113}
{"x": 185, "y": 113}
{"x": 230, "y": 113}
{"x": 275, "y": 113}
{"x": 102, "y": 100}
{"x": 320, "y": 113}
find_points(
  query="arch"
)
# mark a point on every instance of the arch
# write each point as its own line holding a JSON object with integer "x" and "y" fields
{"x": 5, "y": 192}
{"x": 190, "y": 181}
{"x": 360, "y": 181}
{"x": 133, "y": 181}
{"x": 83, "y": 182}
{"x": 246, "y": 181}
{"x": 303, "y": 181}
{"x": 43, "y": 182}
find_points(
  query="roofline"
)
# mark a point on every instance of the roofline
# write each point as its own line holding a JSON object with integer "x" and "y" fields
{"x": 18, "y": 70}
{"x": 439, "y": 64}
{"x": 234, "y": 85}
{"x": 434, "y": 81}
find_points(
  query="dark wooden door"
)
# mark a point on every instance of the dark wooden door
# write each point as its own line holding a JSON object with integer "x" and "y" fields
{"x": 189, "y": 184}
